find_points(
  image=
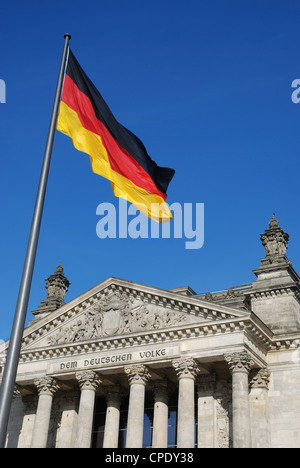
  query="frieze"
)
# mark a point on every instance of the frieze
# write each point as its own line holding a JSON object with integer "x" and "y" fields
{"x": 111, "y": 359}
{"x": 151, "y": 337}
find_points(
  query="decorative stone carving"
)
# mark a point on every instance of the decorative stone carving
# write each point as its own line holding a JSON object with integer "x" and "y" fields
{"x": 208, "y": 297}
{"x": 186, "y": 368}
{"x": 137, "y": 373}
{"x": 17, "y": 391}
{"x": 239, "y": 362}
{"x": 117, "y": 313}
{"x": 260, "y": 378}
{"x": 88, "y": 380}
{"x": 46, "y": 385}
{"x": 274, "y": 240}
{"x": 57, "y": 285}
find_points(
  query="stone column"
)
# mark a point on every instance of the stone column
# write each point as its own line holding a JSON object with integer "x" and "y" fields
{"x": 138, "y": 376}
{"x": 46, "y": 387}
{"x": 186, "y": 370}
{"x": 88, "y": 382}
{"x": 239, "y": 366}
{"x": 161, "y": 415}
{"x": 206, "y": 411}
{"x": 259, "y": 383}
{"x": 112, "y": 420}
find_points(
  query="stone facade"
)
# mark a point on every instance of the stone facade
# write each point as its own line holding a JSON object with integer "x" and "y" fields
{"x": 128, "y": 365}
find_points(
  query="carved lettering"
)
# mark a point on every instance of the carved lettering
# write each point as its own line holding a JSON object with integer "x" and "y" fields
{"x": 153, "y": 353}
{"x": 68, "y": 365}
{"x": 104, "y": 360}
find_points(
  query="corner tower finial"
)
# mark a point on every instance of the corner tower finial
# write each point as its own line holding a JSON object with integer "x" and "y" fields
{"x": 275, "y": 241}
{"x": 275, "y": 293}
{"x": 57, "y": 285}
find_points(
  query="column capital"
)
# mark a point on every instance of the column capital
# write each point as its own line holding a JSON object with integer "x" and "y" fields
{"x": 186, "y": 368}
{"x": 46, "y": 385}
{"x": 88, "y": 380}
{"x": 17, "y": 391}
{"x": 137, "y": 373}
{"x": 239, "y": 362}
{"x": 260, "y": 378}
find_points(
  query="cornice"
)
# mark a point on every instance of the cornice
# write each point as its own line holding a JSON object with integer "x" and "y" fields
{"x": 167, "y": 335}
{"x": 271, "y": 267}
{"x": 276, "y": 291}
{"x": 290, "y": 341}
{"x": 251, "y": 326}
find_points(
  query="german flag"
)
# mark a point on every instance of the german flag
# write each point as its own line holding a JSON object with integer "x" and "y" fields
{"x": 115, "y": 153}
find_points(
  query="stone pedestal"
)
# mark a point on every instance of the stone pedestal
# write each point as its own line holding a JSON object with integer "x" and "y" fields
{"x": 138, "y": 376}
{"x": 46, "y": 387}
{"x": 88, "y": 381}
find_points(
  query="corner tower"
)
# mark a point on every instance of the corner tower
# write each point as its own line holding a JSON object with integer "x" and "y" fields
{"x": 57, "y": 285}
{"x": 275, "y": 295}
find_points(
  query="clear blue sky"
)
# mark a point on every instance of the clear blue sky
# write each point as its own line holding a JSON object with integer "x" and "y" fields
{"x": 205, "y": 84}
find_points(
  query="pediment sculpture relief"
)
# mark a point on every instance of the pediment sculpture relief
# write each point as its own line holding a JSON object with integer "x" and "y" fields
{"x": 117, "y": 314}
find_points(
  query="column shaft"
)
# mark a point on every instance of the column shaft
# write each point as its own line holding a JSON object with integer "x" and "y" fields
{"x": 241, "y": 410}
{"x": 239, "y": 365}
{"x": 46, "y": 388}
{"x": 112, "y": 420}
{"x": 88, "y": 382}
{"x": 135, "y": 424}
{"x": 186, "y": 370}
{"x": 160, "y": 416}
{"x": 138, "y": 376}
{"x": 85, "y": 418}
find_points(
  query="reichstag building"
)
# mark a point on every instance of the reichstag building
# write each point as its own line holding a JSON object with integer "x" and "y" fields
{"x": 130, "y": 366}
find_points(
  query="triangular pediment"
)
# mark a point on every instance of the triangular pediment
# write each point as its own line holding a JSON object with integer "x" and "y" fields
{"x": 117, "y": 308}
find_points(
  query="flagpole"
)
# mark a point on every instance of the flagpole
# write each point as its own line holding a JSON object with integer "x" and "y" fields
{"x": 11, "y": 366}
